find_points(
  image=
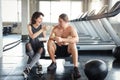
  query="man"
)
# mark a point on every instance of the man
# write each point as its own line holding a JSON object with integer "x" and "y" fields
{"x": 62, "y": 43}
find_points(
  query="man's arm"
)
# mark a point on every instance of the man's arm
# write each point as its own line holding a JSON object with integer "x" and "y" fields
{"x": 52, "y": 35}
{"x": 74, "y": 37}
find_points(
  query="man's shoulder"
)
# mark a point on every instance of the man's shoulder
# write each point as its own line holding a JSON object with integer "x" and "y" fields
{"x": 70, "y": 27}
{"x": 56, "y": 27}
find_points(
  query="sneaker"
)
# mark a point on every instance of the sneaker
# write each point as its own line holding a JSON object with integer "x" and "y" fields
{"x": 76, "y": 72}
{"x": 26, "y": 72}
{"x": 52, "y": 67}
{"x": 39, "y": 69}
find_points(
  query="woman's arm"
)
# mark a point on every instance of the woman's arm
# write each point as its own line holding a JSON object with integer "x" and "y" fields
{"x": 35, "y": 34}
{"x": 44, "y": 32}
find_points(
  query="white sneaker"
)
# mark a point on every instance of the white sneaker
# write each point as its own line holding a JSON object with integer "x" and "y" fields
{"x": 26, "y": 72}
{"x": 25, "y": 75}
{"x": 39, "y": 69}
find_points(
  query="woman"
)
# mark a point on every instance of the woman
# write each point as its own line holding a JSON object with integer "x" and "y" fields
{"x": 35, "y": 47}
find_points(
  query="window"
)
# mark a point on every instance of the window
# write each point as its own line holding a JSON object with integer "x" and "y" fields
{"x": 115, "y": 19}
{"x": 11, "y": 10}
{"x": 52, "y": 9}
{"x": 113, "y": 2}
{"x": 96, "y": 5}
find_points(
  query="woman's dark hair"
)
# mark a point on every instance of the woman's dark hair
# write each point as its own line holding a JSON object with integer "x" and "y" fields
{"x": 35, "y": 16}
{"x": 64, "y": 17}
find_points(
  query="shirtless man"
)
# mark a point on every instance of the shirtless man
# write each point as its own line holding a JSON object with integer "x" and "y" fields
{"x": 62, "y": 43}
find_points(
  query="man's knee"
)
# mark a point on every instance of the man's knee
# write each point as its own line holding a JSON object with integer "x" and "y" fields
{"x": 72, "y": 47}
{"x": 51, "y": 44}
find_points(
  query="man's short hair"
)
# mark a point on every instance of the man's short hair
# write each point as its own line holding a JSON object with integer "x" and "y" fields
{"x": 64, "y": 17}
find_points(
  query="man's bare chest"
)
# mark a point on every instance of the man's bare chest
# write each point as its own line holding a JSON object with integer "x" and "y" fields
{"x": 62, "y": 33}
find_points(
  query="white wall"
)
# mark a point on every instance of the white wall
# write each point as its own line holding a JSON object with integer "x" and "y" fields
{"x": 25, "y": 16}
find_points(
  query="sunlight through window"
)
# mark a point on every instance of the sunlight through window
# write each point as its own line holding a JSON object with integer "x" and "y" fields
{"x": 53, "y": 9}
{"x": 11, "y": 10}
{"x": 96, "y": 5}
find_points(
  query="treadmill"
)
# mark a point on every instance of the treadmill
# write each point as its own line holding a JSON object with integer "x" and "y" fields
{"x": 107, "y": 44}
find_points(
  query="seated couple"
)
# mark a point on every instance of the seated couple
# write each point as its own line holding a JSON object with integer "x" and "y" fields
{"x": 62, "y": 43}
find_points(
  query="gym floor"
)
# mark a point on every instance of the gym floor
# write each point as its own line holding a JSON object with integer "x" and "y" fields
{"x": 14, "y": 61}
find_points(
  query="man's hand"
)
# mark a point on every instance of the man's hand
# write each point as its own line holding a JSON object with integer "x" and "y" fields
{"x": 58, "y": 39}
{"x": 60, "y": 44}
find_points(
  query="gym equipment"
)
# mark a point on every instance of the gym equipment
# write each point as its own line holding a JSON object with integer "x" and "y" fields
{"x": 97, "y": 25}
{"x": 116, "y": 63}
{"x": 95, "y": 30}
{"x": 110, "y": 30}
{"x": 96, "y": 69}
{"x": 14, "y": 44}
{"x": 8, "y": 29}
{"x": 116, "y": 52}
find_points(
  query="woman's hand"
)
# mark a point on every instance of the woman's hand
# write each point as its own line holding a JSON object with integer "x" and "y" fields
{"x": 44, "y": 28}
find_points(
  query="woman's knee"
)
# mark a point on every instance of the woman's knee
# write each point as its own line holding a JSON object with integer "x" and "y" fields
{"x": 28, "y": 46}
{"x": 40, "y": 51}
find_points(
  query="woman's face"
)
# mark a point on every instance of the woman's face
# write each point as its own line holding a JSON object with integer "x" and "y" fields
{"x": 39, "y": 20}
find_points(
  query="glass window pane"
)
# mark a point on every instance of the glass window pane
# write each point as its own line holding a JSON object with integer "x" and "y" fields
{"x": 53, "y": 9}
{"x": 45, "y": 8}
{"x": 96, "y": 5}
{"x": 58, "y": 8}
{"x": 76, "y": 9}
{"x": 11, "y": 10}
